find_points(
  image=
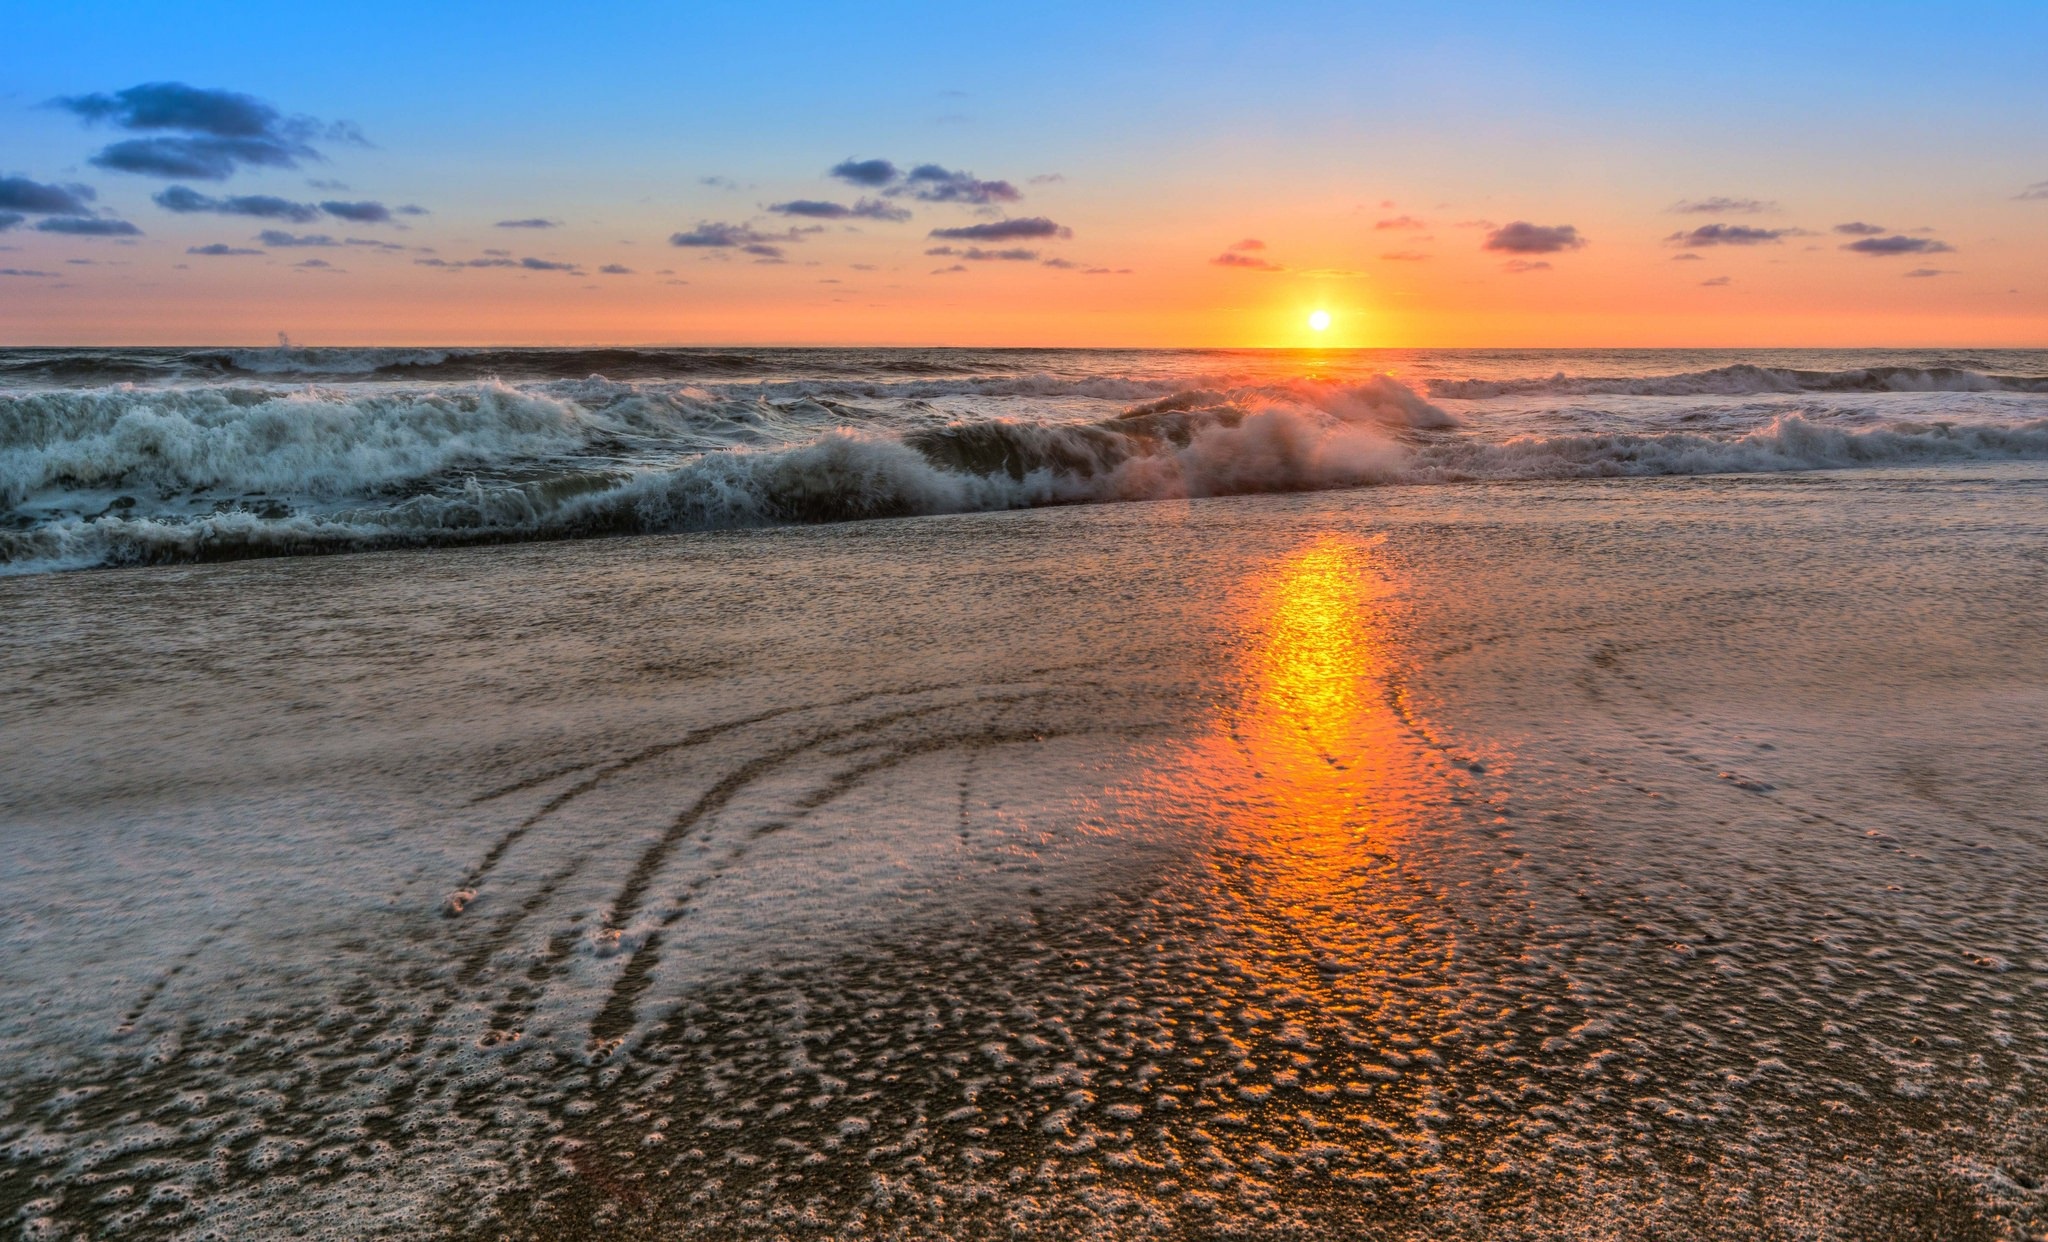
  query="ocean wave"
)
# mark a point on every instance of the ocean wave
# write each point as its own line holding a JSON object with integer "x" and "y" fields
{"x": 1744, "y": 379}
{"x": 846, "y": 475}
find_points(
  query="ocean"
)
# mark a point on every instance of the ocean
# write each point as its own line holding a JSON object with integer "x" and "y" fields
{"x": 111, "y": 456}
{"x": 1460, "y": 795}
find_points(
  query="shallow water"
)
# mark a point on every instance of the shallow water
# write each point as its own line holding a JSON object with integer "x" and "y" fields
{"x": 1581, "y": 859}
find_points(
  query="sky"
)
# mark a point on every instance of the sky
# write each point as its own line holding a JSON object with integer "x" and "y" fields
{"x": 1440, "y": 174}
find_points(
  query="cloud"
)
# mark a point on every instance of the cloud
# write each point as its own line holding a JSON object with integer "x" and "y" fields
{"x": 1718, "y": 206}
{"x": 870, "y": 173}
{"x": 1065, "y": 265}
{"x": 1522, "y": 237}
{"x": 1401, "y": 222}
{"x": 334, "y": 187}
{"x": 931, "y": 183}
{"x": 186, "y": 200}
{"x": 1247, "y": 262}
{"x": 1729, "y": 235}
{"x": 818, "y": 209}
{"x": 614, "y": 269}
{"x": 1015, "y": 254}
{"x": 1249, "y": 243}
{"x": 1006, "y": 230}
{"x": 1714, "y": 282}
{"x": 531, "y": 222}
{"x": 947, "y": 271}
{"x": 313, "y": 263}
{"x": 1403, "y": 256}
{"x": 531, "y": 265}
{"x": 37, "y": 199}
{"x": 220, "y": 248}
{"x": 411, "y": 209}
{"x": 23, "y": 271}
{"x": 1688, "y": 257}
{"x": 1107, "y": 271}
{"x": 278, "y": 237}
{"x": 87, "y": 227}
{"x": 1930, "y": 271}
{"x": 365, "y": 212}
{"x": 2037, "y": 190}
{"x": 1046, "y": 178}
{"x": 719, "y": 235}
{"x": 1885, "y": 247}
{"x": 1515, "y": 267}
{"x": 8, "y": 219}
{"x": 211, "y": 134}
{"x": 1856, "y": 228}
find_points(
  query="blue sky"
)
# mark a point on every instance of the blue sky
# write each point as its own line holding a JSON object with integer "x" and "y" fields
{"x": 1152, "y": 116}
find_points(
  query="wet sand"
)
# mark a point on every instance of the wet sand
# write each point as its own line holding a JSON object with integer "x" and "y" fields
{"x": 1661, "y": 858}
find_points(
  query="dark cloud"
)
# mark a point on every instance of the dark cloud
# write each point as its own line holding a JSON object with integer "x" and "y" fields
{"x": 185, "y": 199}
{"x": 1005, "y": 230}
{"x": 220, "y": 248}
{"x": 531, "y": 222}
{"x": 211, "y": 132}
{"x": 763, "y": 250}
{"x": 614, "y": 269}
{"x": 718, "y": 235}
{"x": 1250, "y": 263}
{"x": 865, "y": 209}
{"x": 1522, "y": 237}
{"x": 280, "y": 238}
{"x": 932, "y": 184}
{"x": 1857, "y": 228}
{"x": 531, "y": 265}
{"x": 1885, "y": 247}
{"x": 1929, "y": 271}
{"x": 976, "y": 253}
{"x": 1714, "y": 282}
{"x": 1729, "y": 235}
{"x": 870, "y": 173}
{"x": 1401, "y": 222}
{"x": 87, "y": 227}
{"x": 2037, "y": 190}
{"x": 365, "y": 212}
{"x": 37, "y": 199}
{"x": 1515, "y": 267}
{"x": 1718, "y": 206}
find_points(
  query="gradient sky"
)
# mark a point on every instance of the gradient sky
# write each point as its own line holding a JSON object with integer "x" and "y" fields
{"x": 1432, "y": 174}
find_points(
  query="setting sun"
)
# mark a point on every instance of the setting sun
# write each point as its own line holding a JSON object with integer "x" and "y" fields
{"x": 1320, "y": 321}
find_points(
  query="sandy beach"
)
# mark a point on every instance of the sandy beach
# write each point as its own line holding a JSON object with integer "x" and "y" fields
{"x": 1546, "y": 860}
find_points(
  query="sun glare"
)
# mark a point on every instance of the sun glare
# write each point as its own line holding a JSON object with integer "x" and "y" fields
{"x": 1320, "y": 321}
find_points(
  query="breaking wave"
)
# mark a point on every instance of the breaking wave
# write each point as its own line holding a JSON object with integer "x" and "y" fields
{"x": 1745, "y": 379}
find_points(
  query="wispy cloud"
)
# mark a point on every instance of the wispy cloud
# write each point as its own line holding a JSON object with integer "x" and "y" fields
{"x": 1715, "y": 282}
{"x": 530, "y": 265}
{"x": 933, "y": 184}
{"x": 186, "y": 200}
{"x": 1016, "y": 254}
{"x": 2038, "y": 190}
{"x": 530, "y": 222}
{"x": 1403, "y": 256}
{"x": 201, "y": 134}
{"x": 1924, "y": 272}
{"x": 1516, "y": 267}
{"x": 1898, "y": 244}
{"x": 81, "y": 227}
{"x": 1729, "y": 235}
{"x": 220, "y": 248}
{"x": 364, "y": 212}
{"x": 1857, "y": 228}
{"x": 1401, "y": 222}
{"x": 615, "y": 269}
{"x": 1246, "y": 262}
{"x": 1718, "y": 206}
{"x": 820, "y": 209}
{"x": 1522, "y": 237}
{"x": 718, "y": 235}
{"x": 1025, "y": 228}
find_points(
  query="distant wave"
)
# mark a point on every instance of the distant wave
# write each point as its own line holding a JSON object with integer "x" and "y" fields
{"x": 1743, "y": 379}
{"x": 225, "y": 471}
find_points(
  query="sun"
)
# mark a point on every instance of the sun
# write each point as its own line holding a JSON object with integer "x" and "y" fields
{"x": 1320, "y": 321}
